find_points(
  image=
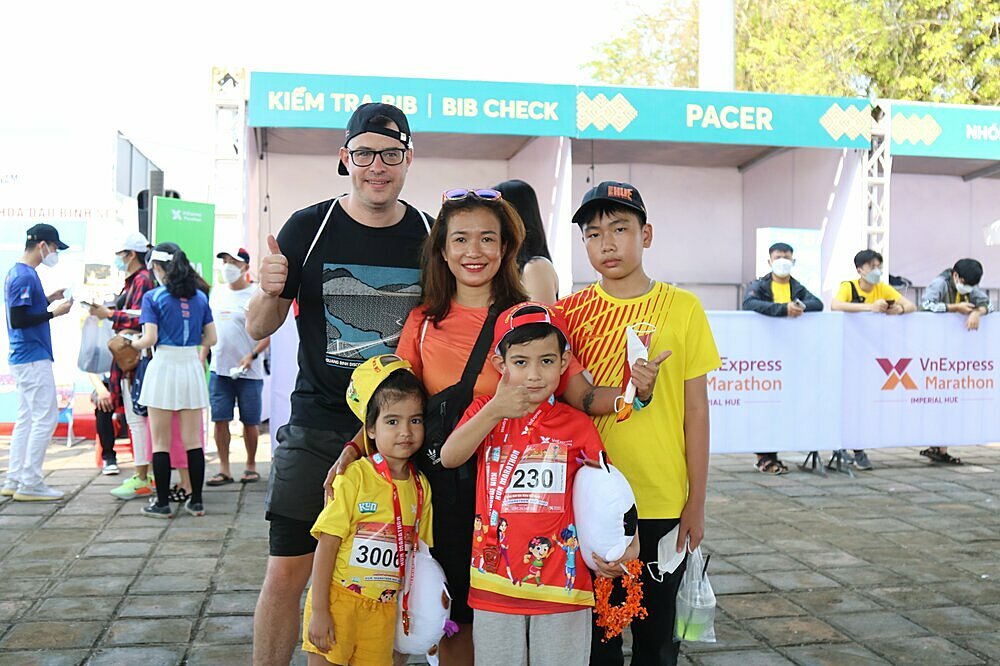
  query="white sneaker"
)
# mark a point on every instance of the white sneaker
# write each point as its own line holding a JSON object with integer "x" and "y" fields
{"x": 38, "y": 493}
{"x": 110, "y": 469}
{"x": 9, "y": 488}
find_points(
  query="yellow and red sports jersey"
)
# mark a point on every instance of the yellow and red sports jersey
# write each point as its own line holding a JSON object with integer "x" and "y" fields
{"x": 648, "y": 447}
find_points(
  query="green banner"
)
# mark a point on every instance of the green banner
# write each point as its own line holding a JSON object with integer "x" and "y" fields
{"x": 191, "y": 225}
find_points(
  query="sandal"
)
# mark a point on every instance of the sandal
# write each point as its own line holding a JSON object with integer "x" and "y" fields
{"x": 769, "y": 465}
{"x": 219, "y": 479}
{"x": 249, "y": 476}
{"x": 937, "y": 455}
{"x": 178, "y": 494}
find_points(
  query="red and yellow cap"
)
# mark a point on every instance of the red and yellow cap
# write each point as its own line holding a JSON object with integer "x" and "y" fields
{"x": 530, "y": 312}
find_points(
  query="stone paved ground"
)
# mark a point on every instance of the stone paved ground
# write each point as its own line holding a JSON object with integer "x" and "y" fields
{"x": 898, "y": 566}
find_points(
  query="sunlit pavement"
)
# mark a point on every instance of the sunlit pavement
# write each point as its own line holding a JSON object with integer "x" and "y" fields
{"x": 899, "y": 565}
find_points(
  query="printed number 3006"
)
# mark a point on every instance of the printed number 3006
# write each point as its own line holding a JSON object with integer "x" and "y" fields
{"x": 376, "y": 557}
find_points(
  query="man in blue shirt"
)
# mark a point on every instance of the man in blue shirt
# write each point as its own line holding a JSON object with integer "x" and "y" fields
{"x": 30, "y": 358}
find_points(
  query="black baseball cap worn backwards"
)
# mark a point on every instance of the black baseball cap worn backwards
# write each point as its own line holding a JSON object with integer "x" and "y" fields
{"x": 47, "y": 233}
{"x": 623, "y": 194}
{"x": 361, "y": 122}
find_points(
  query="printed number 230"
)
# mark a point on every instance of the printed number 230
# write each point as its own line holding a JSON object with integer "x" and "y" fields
{"x": 533, "y": 478}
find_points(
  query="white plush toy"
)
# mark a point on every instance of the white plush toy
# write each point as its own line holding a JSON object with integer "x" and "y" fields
{"x": 604, "y": 507}
{"x": 429, "y": 605}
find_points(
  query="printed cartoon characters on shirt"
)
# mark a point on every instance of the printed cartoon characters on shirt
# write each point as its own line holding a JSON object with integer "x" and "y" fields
{"x": 539, "y": 549}
{"x": 504, "y": 546}
{"x": 478, "y": 534}
{"x": 387, "y": 596}
{"x": 570, "y": 545}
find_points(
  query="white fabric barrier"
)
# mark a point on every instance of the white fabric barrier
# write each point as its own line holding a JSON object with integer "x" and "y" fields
{"x": 920, "y": 380}
{"x": 780, "y": 382}
{"x": 816, "y": 382}
{"x": 859, "y": 380}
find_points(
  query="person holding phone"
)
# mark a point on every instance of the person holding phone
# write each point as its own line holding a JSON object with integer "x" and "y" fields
{"x": 778, "y": 294}
{"x": 869, "y": 294}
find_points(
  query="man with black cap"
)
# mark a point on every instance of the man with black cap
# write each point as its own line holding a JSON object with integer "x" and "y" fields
{"x": 353, "y": 265}
{"x": 30, "y": 358}
{"x": 237, "y": 370}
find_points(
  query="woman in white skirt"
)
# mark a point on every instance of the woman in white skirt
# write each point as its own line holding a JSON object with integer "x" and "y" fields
{"x": 176, "y": 319}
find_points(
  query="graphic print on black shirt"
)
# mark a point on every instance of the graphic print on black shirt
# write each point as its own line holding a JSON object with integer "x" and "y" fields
{"x": 354, "y": 294}
{"x": 366, "y": 307}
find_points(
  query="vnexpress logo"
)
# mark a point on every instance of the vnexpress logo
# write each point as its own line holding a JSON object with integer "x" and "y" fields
{"x": 897, "y": 374}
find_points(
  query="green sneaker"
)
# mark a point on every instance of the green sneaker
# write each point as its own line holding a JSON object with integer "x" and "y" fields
{"x": 134, "y": 487}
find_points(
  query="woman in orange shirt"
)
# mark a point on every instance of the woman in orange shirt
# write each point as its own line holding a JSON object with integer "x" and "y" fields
{"x": 469, "y": 269}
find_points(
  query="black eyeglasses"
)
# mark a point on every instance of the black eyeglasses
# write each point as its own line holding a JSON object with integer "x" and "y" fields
{"x": 462, "y": 193}
{"x": 365, "y": 157}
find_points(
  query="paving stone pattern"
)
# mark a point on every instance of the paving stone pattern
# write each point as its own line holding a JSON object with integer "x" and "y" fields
{"x": 900, "y": 565}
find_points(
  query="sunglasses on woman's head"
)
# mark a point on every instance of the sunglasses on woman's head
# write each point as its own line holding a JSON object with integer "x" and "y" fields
{"x": 462, "y": 193}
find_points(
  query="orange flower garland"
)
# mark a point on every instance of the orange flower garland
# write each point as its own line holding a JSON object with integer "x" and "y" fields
{"x": 614, "y": 619}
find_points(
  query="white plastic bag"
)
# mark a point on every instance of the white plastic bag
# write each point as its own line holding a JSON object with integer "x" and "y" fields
{"x": 94, "y": 353}
{"x": 695, "y": 603}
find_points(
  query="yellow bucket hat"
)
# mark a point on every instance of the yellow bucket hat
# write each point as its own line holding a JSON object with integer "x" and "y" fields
{"x": 366, "y": 379}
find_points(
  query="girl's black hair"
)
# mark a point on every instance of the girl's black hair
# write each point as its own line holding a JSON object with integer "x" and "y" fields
{"x": 400, "y": 384}
{"x": 182, "y": 281}
{"x": 522, "y": 197}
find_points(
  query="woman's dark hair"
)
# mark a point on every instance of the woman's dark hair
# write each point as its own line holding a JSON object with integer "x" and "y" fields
{"x": 437, "y": 281}
{"x": 181, "y": 279}
{"x": 522, "y": 197}
{"x": 400, "y": 384}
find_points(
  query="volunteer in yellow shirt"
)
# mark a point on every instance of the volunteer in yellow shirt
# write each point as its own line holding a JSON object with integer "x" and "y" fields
{"x": 868, "y": 293}
{"x": 778, "y": 294}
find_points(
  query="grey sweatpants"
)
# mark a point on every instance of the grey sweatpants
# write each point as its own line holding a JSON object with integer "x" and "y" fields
{"x": 539, "y": 640}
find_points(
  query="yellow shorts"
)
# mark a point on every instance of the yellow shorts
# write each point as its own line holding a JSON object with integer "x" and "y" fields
{"x": 363, "y": 628}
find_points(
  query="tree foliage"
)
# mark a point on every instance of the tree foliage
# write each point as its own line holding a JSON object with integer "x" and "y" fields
{"x": 929, "y": 50}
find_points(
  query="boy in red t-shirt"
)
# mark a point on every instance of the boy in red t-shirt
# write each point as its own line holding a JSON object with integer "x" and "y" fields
{"x": 530, "y": 448}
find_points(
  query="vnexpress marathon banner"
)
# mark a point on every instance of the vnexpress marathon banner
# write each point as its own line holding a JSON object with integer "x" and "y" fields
{"x": 779, "y": 382}
{"x": 920, "y": 380}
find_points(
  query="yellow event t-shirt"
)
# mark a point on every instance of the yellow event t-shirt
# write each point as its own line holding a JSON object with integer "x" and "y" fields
{"x": 881, "y": 290}
{"x": 361, "y": 515}
{"x": 782, "y": 292}
{"x": 649, "y": 447}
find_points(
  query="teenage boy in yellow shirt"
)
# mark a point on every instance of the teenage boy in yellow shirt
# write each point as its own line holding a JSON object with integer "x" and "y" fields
{"x": 662, "y": 448}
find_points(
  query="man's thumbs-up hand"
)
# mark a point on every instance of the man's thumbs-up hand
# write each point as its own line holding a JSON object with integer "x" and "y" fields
{"x": 273, "y": 269}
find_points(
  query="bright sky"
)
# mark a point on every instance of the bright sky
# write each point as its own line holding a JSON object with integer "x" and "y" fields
{"x": 145, "y": 69}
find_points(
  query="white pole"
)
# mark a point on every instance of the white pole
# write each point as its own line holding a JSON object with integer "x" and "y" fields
{"x": 716, "y": 45}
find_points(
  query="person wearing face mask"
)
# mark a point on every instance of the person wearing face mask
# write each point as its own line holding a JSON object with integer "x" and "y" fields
{"x": 778, "y": 294}
{"x": 30, "y": 358}
{"x": 237, "y": 367}
{"x": 869, "y": 294}
{"x": 956, "y": 289}
{"x": 130, "y": 258}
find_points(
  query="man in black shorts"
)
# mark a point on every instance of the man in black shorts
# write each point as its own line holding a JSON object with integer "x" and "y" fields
{"x": 353, "y": 265}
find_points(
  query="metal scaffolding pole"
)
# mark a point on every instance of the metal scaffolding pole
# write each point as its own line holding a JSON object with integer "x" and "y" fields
{"x": 878, "y": 172}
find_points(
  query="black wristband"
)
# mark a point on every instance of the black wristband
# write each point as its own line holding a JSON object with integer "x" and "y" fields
{"x": 254, "y": 355}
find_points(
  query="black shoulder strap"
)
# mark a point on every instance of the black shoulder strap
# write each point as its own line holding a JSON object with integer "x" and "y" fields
{"x": 855, "y": 296}
{"x": 479, "y": 351}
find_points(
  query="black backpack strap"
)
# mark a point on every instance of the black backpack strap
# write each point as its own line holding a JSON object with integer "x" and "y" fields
{"x": 855, "y": 296}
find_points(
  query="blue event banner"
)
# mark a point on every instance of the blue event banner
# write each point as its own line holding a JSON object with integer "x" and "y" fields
{"x": 617, "y": 112}
{"x": 935, "y": 130}
{"x": 431, "y": 105}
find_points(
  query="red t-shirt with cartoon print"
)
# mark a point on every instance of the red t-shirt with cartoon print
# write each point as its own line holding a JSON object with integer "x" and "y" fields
{"x": 529, "y": 562}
